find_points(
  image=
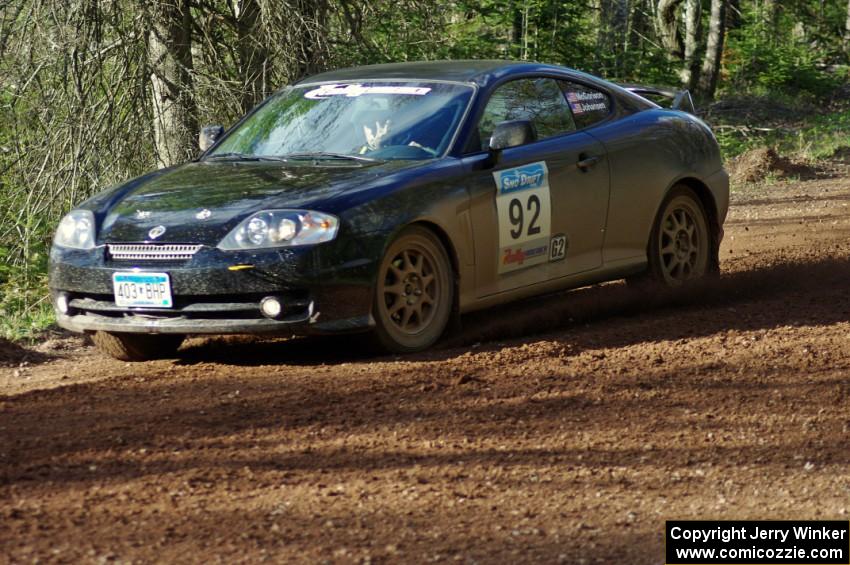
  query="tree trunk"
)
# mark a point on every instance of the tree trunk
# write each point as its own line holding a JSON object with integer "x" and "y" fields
{"x": 668, "y": 27}
{"x": 253, "y": 54}
{"x": 714, "y": 49}
{"x": 639, "y": 26}
{"x": 733, "y": 15}
{"x": 612, "y": 35}
{"x": 310, "y": 41}
{"x": 770, "y": 17}
{"x": 620, "y": 28}
{"x": 516, "y": 32}
{"x": 847, "y": 30}
{"x": 693, "y": 21}
{"x": 170, "y": 60}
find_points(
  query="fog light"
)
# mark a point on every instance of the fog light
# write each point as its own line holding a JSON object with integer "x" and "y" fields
{"x": 271, "y": 307}
{"x": 62, "y": 303}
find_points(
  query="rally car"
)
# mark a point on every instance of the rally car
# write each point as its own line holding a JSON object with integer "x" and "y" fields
{"x": 389, "y": 199}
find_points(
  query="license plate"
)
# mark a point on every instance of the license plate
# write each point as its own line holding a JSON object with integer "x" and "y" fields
{"x": 152, "y": 290}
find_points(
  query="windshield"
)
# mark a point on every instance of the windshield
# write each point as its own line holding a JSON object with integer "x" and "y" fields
{"x": 362, "y": 120}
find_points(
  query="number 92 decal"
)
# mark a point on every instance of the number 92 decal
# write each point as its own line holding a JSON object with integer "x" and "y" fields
{"x": 524, "y": 215}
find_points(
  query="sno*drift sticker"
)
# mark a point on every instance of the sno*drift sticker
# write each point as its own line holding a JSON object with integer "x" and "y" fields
{"x": 524, "y": 216}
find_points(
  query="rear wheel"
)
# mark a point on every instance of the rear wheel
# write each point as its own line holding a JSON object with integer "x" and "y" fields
{"x": 137, "y": 347}
{"x": 680, "y": 245}
{"x": 414, "y": 292}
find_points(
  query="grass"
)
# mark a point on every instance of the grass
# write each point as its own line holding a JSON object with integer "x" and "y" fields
{"x": 824, "y": 137}
{"x": 808, "y": 134}
{"x": 29, "y": 324}
{"x": 25, "y": 311}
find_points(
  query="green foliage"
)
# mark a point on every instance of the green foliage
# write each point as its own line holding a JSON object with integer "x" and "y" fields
{"x": 764, "y": 57}
{"x": 822, "y": 138}
{"x": 811, "y": 137}
{"x": 764, "y": 68}
{"x": 25, "y": 308}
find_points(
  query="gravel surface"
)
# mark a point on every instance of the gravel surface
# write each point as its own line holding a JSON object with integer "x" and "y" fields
{"x": 561, "y": 429}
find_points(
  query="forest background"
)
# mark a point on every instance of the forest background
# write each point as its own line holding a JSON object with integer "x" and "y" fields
{"x": 94, "y": 92}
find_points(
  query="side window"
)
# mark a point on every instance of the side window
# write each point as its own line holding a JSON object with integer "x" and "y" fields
{"x": 539, "y": 101}
{"x": 589, "y": 105}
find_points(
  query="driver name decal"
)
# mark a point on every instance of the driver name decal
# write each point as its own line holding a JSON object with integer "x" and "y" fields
{"x": 524, "y": 216}
{"x": 582, "y": 102}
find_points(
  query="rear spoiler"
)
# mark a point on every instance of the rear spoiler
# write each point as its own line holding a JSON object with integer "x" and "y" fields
{"x": 682, "y": 99}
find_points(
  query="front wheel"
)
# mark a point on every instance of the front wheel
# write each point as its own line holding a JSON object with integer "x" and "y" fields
{"x": 414, "y": 292}
{"x": 680, "y": 245}
{"x": 137, "y": 347}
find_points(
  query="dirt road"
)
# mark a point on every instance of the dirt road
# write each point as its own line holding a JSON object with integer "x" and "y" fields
{"x": 564, "y": 429}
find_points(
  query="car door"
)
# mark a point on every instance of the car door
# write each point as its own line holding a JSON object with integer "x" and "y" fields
{"x": 539, "y": 214}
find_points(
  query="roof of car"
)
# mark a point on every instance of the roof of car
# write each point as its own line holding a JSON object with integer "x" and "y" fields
{"x": 474, "y": 71}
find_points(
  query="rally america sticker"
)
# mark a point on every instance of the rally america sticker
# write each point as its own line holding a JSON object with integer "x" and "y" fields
{"x": 524, "y": 215}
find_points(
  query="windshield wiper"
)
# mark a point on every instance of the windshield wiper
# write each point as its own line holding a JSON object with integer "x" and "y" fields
{"x": 330, "y": 155}
{"x": 233, "y": 156}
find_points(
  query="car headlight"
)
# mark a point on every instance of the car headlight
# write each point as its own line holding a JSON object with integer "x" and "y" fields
{"x": 281, "y": 228}
{"x": 76, "y": 230}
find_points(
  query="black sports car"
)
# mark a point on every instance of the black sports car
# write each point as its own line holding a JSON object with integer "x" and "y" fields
{"x": 390, "y": 198}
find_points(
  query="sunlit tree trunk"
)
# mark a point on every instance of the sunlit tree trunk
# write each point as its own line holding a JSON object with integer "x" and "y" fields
{"x": 714, "y": 49}
{"x": 668, "y": 28}
{"x": 172, "y": 96}
{"x": 690, "y": 69}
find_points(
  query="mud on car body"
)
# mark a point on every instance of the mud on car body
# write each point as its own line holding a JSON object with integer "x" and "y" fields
{"x": 388, "y": 199}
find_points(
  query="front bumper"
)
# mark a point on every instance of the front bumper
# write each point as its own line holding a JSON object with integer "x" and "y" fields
{"x": 320, "y": 293}
{"x": 140, "y": 323}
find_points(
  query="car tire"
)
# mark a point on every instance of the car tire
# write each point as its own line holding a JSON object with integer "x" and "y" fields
{"x": 681, "y": 245}
{"x": 414, "y": 292}
{"x": 137, "y": 347}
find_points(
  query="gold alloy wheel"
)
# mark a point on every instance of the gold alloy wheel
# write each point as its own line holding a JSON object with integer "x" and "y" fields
{"x": 414, "y": 292}
{"x": 680, "y": 244}
{"x": 410, "y": 290}
{"x": 682, "y": 239}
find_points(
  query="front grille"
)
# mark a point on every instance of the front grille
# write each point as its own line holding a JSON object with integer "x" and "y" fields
{"x": 145, "y": 252}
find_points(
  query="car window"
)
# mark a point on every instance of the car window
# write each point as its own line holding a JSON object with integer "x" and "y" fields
{"x": 589, "y": 105}
{"x": 539, "y": 101}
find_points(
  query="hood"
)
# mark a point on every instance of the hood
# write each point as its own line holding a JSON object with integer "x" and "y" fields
{"x": 200, "y": 202}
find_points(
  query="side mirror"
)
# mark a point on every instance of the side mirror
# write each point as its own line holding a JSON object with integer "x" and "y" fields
{"x": 684, "y": 102}
{"x": 208, "y": 136}
{"x": 512, "y": 134}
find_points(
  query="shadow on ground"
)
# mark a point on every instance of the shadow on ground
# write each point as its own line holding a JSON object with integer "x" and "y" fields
{"x": 805, "y": 285}
{"x": 12, "y": 354}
